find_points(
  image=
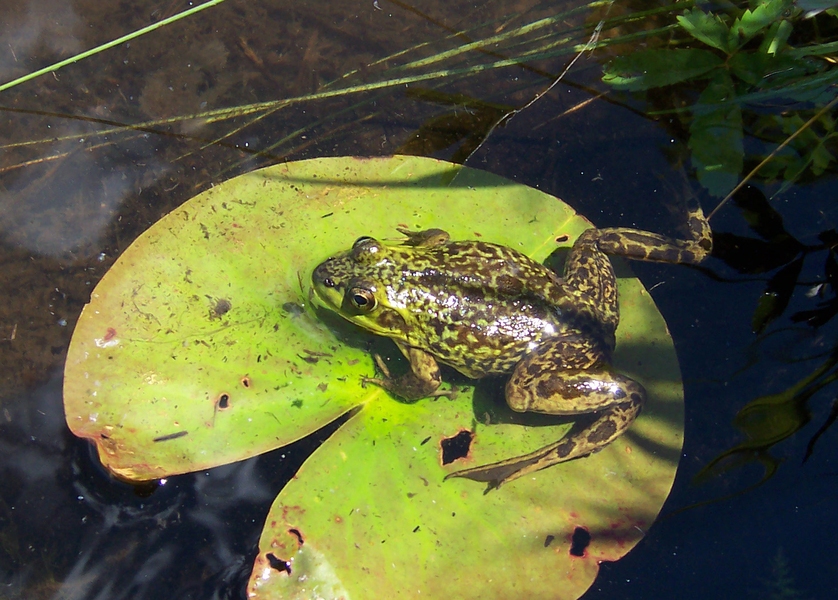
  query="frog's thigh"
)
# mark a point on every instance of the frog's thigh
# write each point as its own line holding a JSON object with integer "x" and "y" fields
{"x": 423, "y": 366}
{"x": 569, "y": 376}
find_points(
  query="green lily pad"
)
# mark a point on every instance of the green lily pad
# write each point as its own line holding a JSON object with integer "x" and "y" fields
{"x": 199, "y": 349}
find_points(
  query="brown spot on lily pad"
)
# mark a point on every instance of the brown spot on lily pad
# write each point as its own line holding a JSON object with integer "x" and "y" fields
{"x": 220, "y": 307}
{"x": 170, "y": 436}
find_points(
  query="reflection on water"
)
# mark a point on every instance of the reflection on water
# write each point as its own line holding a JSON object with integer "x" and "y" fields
{"x": 73, "y": 205}
{"x": 48, "y": 29}
{"x": 76, "y": 189}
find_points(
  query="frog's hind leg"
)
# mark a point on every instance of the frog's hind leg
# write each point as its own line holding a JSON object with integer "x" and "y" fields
{"x": 647, "y": 246}
{"x": 580, "y": 441}
{"x": 566, "y": 376}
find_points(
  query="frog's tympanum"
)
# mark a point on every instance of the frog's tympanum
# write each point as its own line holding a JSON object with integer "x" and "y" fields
{"x": 486, "y": 309}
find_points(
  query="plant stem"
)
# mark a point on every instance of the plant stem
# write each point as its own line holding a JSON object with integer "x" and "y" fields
{"x": 111, "y": 44}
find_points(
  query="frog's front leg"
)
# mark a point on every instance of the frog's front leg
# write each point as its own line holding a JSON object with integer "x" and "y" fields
{"x": 422, "y": 381}
{"x": 566, "y": 376}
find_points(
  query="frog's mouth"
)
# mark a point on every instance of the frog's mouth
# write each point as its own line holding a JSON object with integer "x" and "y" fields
{"x": 324, "y": 295}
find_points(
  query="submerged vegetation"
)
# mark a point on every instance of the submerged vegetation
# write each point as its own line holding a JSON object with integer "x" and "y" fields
{"x": 758, "y": 72}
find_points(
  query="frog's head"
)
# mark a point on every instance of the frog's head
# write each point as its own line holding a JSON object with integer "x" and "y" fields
{"x": 357, "y": 284}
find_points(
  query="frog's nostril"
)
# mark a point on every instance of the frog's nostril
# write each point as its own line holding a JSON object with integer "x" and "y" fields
{"x": 329, "y": 282}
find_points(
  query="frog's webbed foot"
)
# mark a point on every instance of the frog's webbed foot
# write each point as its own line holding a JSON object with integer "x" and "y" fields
{"x": 580, "y": 441}
{"x": 422, "y": 381}
{"x": 428, "y": 237}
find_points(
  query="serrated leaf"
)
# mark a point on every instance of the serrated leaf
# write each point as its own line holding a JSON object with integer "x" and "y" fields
{"x": 777, "y": 36}
{"x": 705, "y": 27}
{"x": 821, "y": 159}
{"x": 754, "y": 21}
{"x": 655, "y": 68}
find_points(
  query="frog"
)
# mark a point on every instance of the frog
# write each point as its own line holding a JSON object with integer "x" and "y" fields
{"x": 486, "y": 309}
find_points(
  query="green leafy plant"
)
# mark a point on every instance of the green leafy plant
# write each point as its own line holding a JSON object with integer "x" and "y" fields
{"x": 745, "y": 70}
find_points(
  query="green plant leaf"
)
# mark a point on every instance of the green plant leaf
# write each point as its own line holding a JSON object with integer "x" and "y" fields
{"x": 754, "y": 21}
{"x": 768, "y": 420}
{"x": 195, "y": 349}
{"x": 813, "y": 7}
{"x": 750, "y": 67}
{"x": 777, "y": 36}
{"x": 716, "y": 136}
{"x": 655, "y": 68}
{"x": 706, "y": 27}
{"x": 213, "y": 300}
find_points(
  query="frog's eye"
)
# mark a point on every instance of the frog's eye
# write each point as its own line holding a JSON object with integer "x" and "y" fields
{"x": 363, "y": 247}
{"x": 361, "y": 299}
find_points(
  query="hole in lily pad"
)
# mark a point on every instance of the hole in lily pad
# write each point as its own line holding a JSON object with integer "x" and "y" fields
{"x": 296, "y": 533}
{"x": 580, "y": 541}
{"x": 278, "y": 564}
{"x": 456, "y": 447}
{"x": 245, "y": 381}
{"x": 223, "y": 401}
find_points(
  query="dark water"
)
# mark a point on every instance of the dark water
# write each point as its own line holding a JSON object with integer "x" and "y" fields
{"x": 77, "y": 187}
